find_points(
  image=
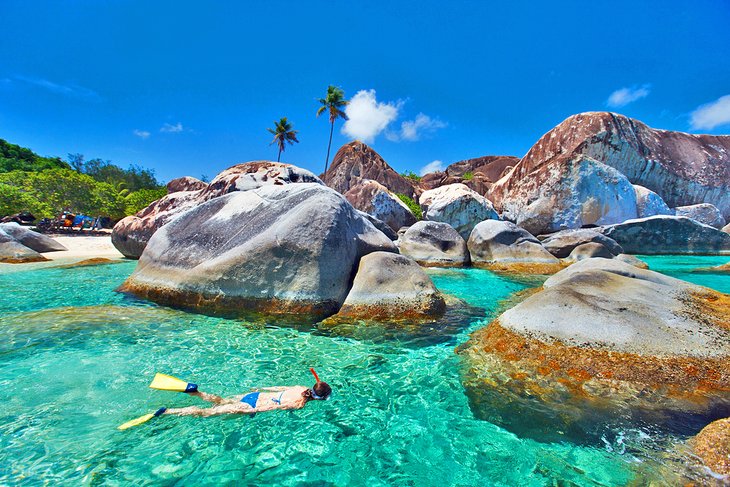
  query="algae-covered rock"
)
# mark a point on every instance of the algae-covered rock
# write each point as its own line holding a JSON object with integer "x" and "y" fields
{"x": 712, "y": 446}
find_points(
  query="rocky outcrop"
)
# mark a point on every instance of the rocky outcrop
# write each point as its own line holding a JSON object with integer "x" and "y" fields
{"x": 131, "y": 234}
{"x": 33, "y": 240}
{"x": 648, "y": 203}
{"x": 561, "y": 244}
{"x": 355, "y": 161}
{"x": 631, "y": 260}
{"x": 603, "y": 341}
{"x": 288, "y": 250}
{"x": 712, "y": 446}
{"x": 501, "y": 243}
{"x": 664, "y": 234}
{"x": 589, "y": 251}
{"x": 379, "y": 224}
{"x": 457, "y": 205}
{"x": 13, "y": 252}
{"x": 434, "y": 244}
{"x": 683, "y": 168}
{"x": 564, "y": 193}
{"x": 478, "y": 173}
{"x": 720, "y": 269}
{"x": 390, "y": 286}
{"x": 703, "y": 213}
{"x": 375, "y": 199}
{"x": 185, "y": 183}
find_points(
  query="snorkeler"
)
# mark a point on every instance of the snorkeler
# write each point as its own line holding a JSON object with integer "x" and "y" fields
{"x": 257, "y": 401}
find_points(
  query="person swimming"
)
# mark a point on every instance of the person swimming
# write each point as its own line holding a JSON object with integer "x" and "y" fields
{"x": 256, "y": 401}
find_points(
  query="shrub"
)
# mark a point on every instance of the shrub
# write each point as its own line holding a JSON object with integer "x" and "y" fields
{"x": 468, "y": 176}
{"x": 411, "y": 175}
{"x": 412, "y": 205}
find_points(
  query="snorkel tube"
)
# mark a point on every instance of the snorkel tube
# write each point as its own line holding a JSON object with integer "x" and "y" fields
{"x": 316, "y": 377}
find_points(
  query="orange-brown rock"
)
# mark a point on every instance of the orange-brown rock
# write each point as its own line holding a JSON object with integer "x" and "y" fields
{"x": 712, "y": 445}
{"x": 356, "y": 161}
{"x": 478, "y": 173}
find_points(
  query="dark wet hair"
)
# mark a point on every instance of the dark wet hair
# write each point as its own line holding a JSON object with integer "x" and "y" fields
{"x": 322, "y": 389}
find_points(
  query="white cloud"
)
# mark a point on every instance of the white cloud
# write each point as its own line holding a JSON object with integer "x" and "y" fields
{"x": 711, "y": 115}
{"x": 142, "y": 134}
{"x": 172, "y": 129}
{"x": 72, "y": 90}
{"x": 368, "y": 117}
{"x": 624, "y": 96}
{"x": 423, "y": 124}
{"x": 432, "y": 167}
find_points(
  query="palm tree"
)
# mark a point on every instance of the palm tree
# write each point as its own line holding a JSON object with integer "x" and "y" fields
{"x": 333, "y": 102}
{"x": 283, "y": 134}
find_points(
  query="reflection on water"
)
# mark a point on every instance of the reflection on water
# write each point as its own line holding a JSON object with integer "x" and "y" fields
{"x": 76, "y": 359}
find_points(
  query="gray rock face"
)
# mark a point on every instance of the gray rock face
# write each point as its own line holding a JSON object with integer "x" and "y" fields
{"x": 434, "y": 244}
{"x": 564, "y": 193}
{"x": 13, "y": 252}
{"x": 287, "y": 250}
{"x": 457, "y": 205}
{"x": 703, "y": 213}
{"x": 185, "y": 183}
{"x": 588, "y": 251}
{"x": 33, "y": 240}
{"x": 648, "y": 203}
{"x": 561, "y": 244}
{"x": 603, "y": 337}
{"x": 391, "y": 286}
{"x": 380, "y": 225}
{"x": 500, "y": 241}
{"x": 663, "y": 234}
{"x": 631, "y": 260}
{"x": 375, "y": 199}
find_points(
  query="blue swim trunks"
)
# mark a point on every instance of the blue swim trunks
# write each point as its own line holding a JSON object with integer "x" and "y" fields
{"x": 251, "y": 399}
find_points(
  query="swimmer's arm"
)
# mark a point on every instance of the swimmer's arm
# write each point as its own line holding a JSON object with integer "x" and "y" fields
{"x": 271, "y": 389}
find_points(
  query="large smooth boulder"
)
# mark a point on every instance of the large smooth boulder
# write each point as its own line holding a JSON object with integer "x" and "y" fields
{"x": 131, "y": 234}
{"x": 33, "y": 240}
{"x": 391, "y": 286}
{"x": 380, "y": 225}
{"x": 457, "y": 205}
{"x": 564, "y": 193}
{"x": 683, "y": 169}
{"x": 356, "y": 161}
{"x": 663, "y": 234}
{"x": 648, "y": 203}
{"x": 561, "y": 244}
{"x": 703, "y": 213}
{"x": 603, "y": 342}
{"x": 504, "y": 243}
{"x": 588, "y": 251}
{"x": 185, "y": 183}
{"x": 288, "y": 250}
{"x": 375, "y": 199}
{"x": 14, "y": 252}
{"x": 712, "y": 446}
{"x": 434, "y": 244}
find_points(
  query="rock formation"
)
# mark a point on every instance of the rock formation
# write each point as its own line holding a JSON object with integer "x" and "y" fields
{"x": 13, "y": 252}
{"x": 588, "y": 251}
{"x": 457, "y": 205}
{"x": 603, "y": 340}
{"x": 663, "y": 234}
{"x": 185, "y": 183}
{"x": 682, "y": 168}
{"x": 375, "y": 199}
{"x": 390, "y": 286}
{"x": 648, "y": 203}
{"x": 434, "y": 244}
{"x": 712, "y": 446}
{"x": 562, "y": 243}
{"x": 478, "y": 173}
{"x": 355, "y": 161}
{"x": 288, "y": 250}
{"x": 20, "y": 244}
{"x": 703, "y": 213}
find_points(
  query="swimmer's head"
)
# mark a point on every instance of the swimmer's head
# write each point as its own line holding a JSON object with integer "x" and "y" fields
{"x": 320, "y": 390}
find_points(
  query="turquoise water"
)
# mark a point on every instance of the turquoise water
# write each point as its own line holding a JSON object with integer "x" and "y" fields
{"x": 76, "y": 359}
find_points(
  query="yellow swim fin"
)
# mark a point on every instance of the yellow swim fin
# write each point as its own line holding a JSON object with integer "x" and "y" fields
{"x": 169, "y": 383}
{"x": 141, "y": 419}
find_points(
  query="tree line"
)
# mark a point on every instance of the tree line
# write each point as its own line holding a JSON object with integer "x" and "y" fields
{"x": 46, "y": 186}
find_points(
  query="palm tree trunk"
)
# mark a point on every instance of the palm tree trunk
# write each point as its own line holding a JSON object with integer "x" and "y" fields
{"x": 278, "y": 158}
{"x": 326, "y": 161}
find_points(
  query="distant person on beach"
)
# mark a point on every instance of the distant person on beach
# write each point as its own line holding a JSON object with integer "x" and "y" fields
{"x": 257, "y": 401}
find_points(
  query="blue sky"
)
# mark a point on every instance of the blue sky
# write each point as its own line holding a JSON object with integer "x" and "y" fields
{"x": 189, "y": 88}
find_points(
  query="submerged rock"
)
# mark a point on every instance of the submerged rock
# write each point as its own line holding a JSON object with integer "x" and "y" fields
{"x": 564, "y": 193}
{"x": 712, "y": 446}
{"x": 33, "y": 240}
{"x": 648, "y": 203}
{"x": 561, "y": 244}
{"x": 391, "y": 286}
{"x": 94, "y": 261}
{"x": 720, "y": 269}
{"x": 434, "y": 244}
{"x": 505, "y": 245}
{"x": 457, "y": 205}
{"x": 603, "y": 341}
{"x": 287, "y": 250}
{"x": 374, "y": 199}
{"x": 664, "y": 234}
{"x": 703, "y": 213}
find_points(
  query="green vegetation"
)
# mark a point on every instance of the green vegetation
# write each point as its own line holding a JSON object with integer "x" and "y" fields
{"x": 283, "y": 134}
{"x": 411, "y": 175}
{"x": 332, "y": 102}
{"x": 468, "y": 176}
{"x": 412, "y": 205}
{"x": 46, "y": 186}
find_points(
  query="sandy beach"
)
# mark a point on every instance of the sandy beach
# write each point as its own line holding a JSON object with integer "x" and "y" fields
{"x": 84, "y": 247}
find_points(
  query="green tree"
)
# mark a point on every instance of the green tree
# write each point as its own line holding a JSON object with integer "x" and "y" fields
{"x": 141, "y": 199}
{"x": 333, "y": 103}
{"x": 283, "y": 134}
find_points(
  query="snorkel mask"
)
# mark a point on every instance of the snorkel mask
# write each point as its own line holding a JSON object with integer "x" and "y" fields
{"x": 314, "y": 394}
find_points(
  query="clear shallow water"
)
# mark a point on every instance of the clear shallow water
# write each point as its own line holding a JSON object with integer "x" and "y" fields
{"x": 76, "y": 359}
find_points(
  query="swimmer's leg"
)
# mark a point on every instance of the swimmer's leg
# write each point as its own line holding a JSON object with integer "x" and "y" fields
{"x": 215, "y": 410}
{"x": 209, "y": 397}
